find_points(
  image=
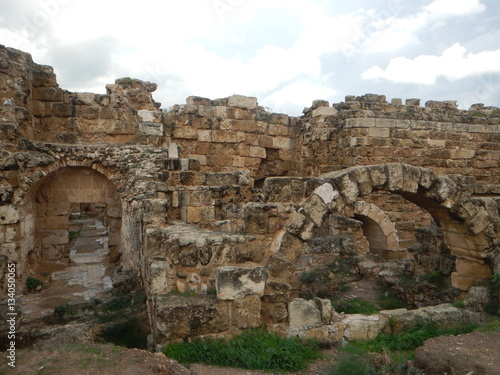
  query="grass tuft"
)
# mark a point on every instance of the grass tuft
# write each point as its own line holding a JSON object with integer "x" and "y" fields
{"x": 254, "y": 349}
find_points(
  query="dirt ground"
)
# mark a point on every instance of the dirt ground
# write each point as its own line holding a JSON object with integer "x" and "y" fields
{"x": 476, "y": 353}
{"x": 92, "y": 359}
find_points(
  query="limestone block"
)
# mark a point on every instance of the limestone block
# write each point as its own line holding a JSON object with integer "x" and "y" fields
{"x": 326, "y": 193}
{"x": 347, "y": 187}
{"x": 181, "y": 317}
{"x": 284, "y": 189}
{"x": 326, "y": 309}
{"x": 378, "y": 175}
{"x": 185, "y": 132}
{"x": 246, "y": 312}
{"x": 304, "y": 314}
{"x": 8, "y": 215}
{"x": 280, "y": 268}
{"x": 362, "y": 327}
{"x": 477, "y": 298}
{"x": 443, "y": 188}
{"x": 462, "y": 282}
{"x": 241, "y": 101}
{"x": 401, "y": 319}
{"x": 443, "y": 316}
{"x": 151, "y": 128}
{"x": 282, "y": 143}
{"x": 426, "y": 177}
{"x": 158, "y": 282}
{"x": 258, "y": 152}
{"x": 395, "y": 176}
{"x": 276, "y": 292}
{"x": 363, "y": 179}
{"x": 315, "y": 209}
{"x": 273, "y": 313}
{"x": 472, "y": 269}
{"x": 239, "y": 282}
{"x": 379, "y": 132}
{"x": 324, "y": 111}
{"x": 296, "y": 223}
{"x": 412, "y": 176}
{"x": 287, "y": 246}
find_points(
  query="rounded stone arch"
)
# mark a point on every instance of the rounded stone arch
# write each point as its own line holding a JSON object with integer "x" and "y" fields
{"x": 379, "y": 230}
{"x": 123, "y": 223}
{"x": 30, "y": 183}
{"x": 466, "y": 224}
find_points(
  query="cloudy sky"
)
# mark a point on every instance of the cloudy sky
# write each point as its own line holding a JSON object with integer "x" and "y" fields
{"x": 285, "y": 52}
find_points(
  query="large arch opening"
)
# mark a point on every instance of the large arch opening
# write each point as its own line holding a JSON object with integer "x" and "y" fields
{"x": 73, "y": 237}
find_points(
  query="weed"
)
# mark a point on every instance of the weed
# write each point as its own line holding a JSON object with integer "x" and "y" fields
{"x": 493, "y": 307}
{"x": 493, "y": 325}
{"x": 411, "y": 338}
{"x": 62, "y": 310}
{"x": 396, "y": 349}
{"x": 32, "y": 284}
{"x": 389, "y": 301}
{"x": 355, "y": 306}
{"x": 177, "y": 292}
{"x": 459, "y": 304}
{"x": 86, "y": 349}
{"x": 478, "y": 114}
{"x": 255, "y": 349}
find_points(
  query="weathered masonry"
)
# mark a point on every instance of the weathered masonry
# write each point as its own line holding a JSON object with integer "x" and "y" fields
{"x": 231, "y": 203}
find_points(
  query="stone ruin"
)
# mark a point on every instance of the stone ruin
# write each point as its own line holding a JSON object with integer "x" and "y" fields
{"x": 227, "y": 204}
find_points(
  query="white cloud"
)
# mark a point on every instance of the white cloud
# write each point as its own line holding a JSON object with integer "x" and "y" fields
{"x": 455, "y": 63}
{"x": 384, "y": 31}
{"x": 299, "y": 93}
{"x": 445, "y": 8}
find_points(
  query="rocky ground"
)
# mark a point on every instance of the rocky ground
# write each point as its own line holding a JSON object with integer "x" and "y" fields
{"x": 476, "y": 353}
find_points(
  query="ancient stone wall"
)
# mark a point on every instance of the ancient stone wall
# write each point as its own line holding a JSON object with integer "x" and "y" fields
{"x": 225, "y": 200}
{"x": 369, "y": 130}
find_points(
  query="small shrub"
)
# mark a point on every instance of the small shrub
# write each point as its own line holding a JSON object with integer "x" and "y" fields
{"x": 254, "y": 349}
{"x": 355, "y": 306}
{"x": 478, "y": 114}
{"x": 459, "y": 304}
{"x": 32, "y": 284}
{"x": 62, "y": 310}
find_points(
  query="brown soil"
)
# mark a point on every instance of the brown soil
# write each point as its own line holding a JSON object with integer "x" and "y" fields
{"x": 92, "y": 359}
{"x": 476, "y": 353}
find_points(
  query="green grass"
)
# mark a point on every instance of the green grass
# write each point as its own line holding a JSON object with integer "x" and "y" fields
{"x": 459, "y": 304}
{"x": 355, "y": 306}
{"x": 411, "y": 338}
{"x": 254, "y": 349}
{"x": 491, "y": 326}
